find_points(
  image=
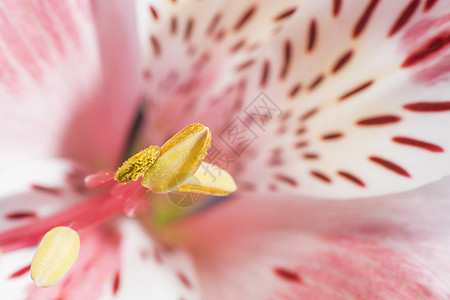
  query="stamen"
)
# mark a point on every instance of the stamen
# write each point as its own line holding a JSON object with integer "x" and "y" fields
{"x": 54, "y": 256}
{"x": 137, "y": 165}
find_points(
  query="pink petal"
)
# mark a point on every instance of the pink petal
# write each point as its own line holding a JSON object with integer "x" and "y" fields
{"x": 68, "y": 79}
{"x": 117, "y": 261}
{"x": 195, "y": 53}
{"x": 392, "y": 247}
{"x": 358, "y": 100}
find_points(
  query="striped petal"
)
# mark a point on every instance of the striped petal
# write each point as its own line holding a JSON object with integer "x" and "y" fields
{"x": 392, "y": 247}
{"x": 355, "y": 101}
{"x": 63, "y": 81}
{"x": 195, "y": 54}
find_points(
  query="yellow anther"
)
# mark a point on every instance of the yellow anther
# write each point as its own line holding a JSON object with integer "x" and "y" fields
{"x": 209, "y": 179}
{"x": 137, "y": 165}
{"x": 54, "y": 256}
{"x": 180, "y": 158}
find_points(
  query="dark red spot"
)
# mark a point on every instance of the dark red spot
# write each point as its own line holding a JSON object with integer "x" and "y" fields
{"x": 316, "y": 82}
{"x": 332, "y": 136}
{"x": 21, "y": 215}
{"x": 294, "y": 90}
{"x": 390, "y": 166}
{"x": 429, "y": 4}
{"x": 336, "y": 7}
{"x": 213, "y": 24}
{"x": 153, "y": 12}
{"x": 430, "y": 48}
{"x": 220, "y": 35}
{"x": 287, "y": 275}
{"x": 342, "y": 61}
{"x": 286, "y": 179}
{"x": 300, "y": 131}
{"x": 286, "y": 59}
{"x": 184, "y": 280}
{"x": 245, "y": 18}
{"x": 286, "y": 116}
{"x": 237, "y": 46}
{"x": 302, "y": 144}
{"x": 46, "y": 189}
{"x": 285, "y": 14}
{"x": 321, "y": 176}
{"x": 312, "y": 35}
{"x": 379, "y": 120}
{"x": 417, "y": 143}
{"x": 245, "y": 65}
{"x": 362, "y": 22}
{"x": 116, "y": 283}
{"x": 173, "y": 25}
{"x": 404, "y": 17}
{"x": 275, "y": 159}
{"x": 272, "y": 188}
{"x": 20, "y": 272}
{"x": 308, "y": 114}
{"x": 428, "y": 106}
{"x": 188, "y": 29}
{"x": 265, "y": 73}
{"x": 356, "y": 90}
{"x": 311, "y": 156}
{"x": 155, "y": 45}
{"x": 351, "y": 178}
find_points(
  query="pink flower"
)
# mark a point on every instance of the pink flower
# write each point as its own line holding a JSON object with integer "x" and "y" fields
{"x": 354, "y": 107}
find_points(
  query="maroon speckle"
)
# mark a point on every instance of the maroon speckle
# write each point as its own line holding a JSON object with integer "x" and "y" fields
{"x": 294, "y": 90}
{"x": 286, "y": 116}
{"x": 312, "y": 35}
{"x": 245, "y": 18}
{"x": 404, "y": 17}
{"x": 21, "y": 215}
{"x": 155, "y": 45}
{"x": 301, "y": 144}
{"x": 184, "y": 280}
{"x": 362, "y": 22}
{"x": 316, "y": 82}
{"x": 300, "y": 131}
{"x": 116, "y": 283}
{"x": 173, "y": 25}
{"x": 379, "y": 120}
{"x": 286, "y": 179}
{"x": 351, "y": 178}
{"x": 237, "y": 46}
{"x": 265, "y": 73}
{"x": 287, "y": 275}
{"x": 245, "y": 65}
{"x": 153, "y": 12}
{"x": 429, "y": 4}
{"x": 286, "y": 59}
{"x": 342, "y": 61}
{"x": 46, "y": 189}
{"x": 188, "y": 30}
{"x": 390, "y": 166}
{"x": 430, "y": 48}
{"x": 417, "y": 143}
{"x": 214, "y": 22}
{"x": 220, "y": 35}
{"x": 321, "y": 176}
{"x": 428, "y": 106}
{"x": 310, "y": 156}
{"x": 285, "y": 14}
{"x": 332, "y": 136}
{"x": 275, "y": 159}
{"x": 309, "y": 114}
{"x": 356, "y": 90}
{"x": 336, "y": 7}
{"x": 20, "y": 272}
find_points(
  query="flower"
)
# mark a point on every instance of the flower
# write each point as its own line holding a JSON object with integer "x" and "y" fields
{"x": 354, "y": 108}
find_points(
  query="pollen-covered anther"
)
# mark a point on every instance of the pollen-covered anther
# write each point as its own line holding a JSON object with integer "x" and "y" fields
{"x": 137, "y": 165}
{"x": 180, "y": 157}
{"x": 54, "y": 256}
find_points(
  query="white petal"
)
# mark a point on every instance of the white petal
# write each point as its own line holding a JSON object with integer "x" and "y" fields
{"x": 359, "y": 101}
